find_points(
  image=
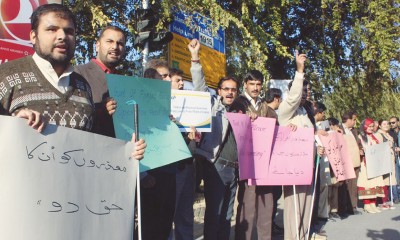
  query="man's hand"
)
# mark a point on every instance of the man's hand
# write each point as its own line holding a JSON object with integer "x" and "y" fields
{"x": 194, "y": 47}
{"x": 35, "y": 119}
{"x": 194, "y": 134}
{"x": 300, "y": 61}
{"x": 111, "y": 106}
{"x": 140, "y": 147}
{"x": 172, "y": 118}
{"x": 253, "y": 116}
{"x": 320, "y": 150}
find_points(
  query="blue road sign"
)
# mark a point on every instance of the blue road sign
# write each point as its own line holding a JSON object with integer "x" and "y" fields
{"x": 193, "y": 25}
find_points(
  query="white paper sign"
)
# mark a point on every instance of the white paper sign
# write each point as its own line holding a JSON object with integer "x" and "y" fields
{"x": 378, "y": 159}
{"x": 64, "y": 184}
{"x": 191, "y": 108}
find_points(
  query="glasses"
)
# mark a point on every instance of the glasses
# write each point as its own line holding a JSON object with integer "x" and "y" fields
{"x": 165, "y": 75}
{"x": 392, "y": 122}
{"x": 231, "y": 89}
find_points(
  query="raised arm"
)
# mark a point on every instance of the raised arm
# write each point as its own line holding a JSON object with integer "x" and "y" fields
{"x": 196, "y": 69}
{"x": 293, "y": 99}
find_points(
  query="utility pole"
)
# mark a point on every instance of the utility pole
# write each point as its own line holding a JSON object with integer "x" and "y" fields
{"x": 145, "y": 5}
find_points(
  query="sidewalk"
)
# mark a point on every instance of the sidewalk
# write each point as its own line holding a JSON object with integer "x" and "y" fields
{"x": 379, "y": 226}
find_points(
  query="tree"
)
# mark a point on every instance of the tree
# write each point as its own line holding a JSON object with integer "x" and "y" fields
{"x": 353, "y": 46}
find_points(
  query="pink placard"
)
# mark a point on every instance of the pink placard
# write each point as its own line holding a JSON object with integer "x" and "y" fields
{"x": 338, "y": 155}
{"x": 254, "y": 141}
{"x": 291, "y": 160}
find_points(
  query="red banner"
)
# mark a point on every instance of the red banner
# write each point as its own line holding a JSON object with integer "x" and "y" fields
{"x": 15, "y": 25}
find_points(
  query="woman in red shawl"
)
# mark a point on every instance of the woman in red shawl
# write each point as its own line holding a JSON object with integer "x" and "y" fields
{"x": 369, "y": 189}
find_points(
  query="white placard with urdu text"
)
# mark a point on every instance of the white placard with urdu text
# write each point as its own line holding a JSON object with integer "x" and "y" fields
{"x": 64, "y": 184}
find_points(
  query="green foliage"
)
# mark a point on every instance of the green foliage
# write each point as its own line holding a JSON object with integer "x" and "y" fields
{"x": 353, "y": 46}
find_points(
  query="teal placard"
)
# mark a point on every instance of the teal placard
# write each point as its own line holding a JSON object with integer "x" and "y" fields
{"x": 165, "y": 144}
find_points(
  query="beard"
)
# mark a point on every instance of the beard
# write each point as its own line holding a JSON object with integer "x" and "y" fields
{"x": 109, "y": 63}
{"x": 62, "y": 60}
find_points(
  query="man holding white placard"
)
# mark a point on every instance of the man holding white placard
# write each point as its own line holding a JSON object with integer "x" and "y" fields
{"x": 43, "y": 88}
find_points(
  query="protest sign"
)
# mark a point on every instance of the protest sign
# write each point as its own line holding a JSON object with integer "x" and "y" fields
{"x": 338, "y": 155}
{"x": 191, "y": 109}
{"x": 254, "y": 140}
{"x": 291, "y": 160}
{"x": 165, "y": 143}
{"x": 378, "y": 159}
{"x": 64, "y": 184}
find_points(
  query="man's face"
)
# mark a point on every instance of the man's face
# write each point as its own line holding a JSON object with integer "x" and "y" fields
{"x": 177, "y": 82}
{"x": 277, "y": 101}
{"x": 253, "y": 88}
{"x": 54, "y": 39}
{"x": 393, "y": 123}
{"x": 320, "y": 116}
{"x": 110, "y": 48}
{"x": 228, "y": 91}
{"x": 351, "y": 122}
{"x": 164, "y": 72}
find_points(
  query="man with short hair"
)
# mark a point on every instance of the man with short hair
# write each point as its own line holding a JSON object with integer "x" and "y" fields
{"x": 161, "y": 66}
{"x": 176, "y": 76}
{"x": 110, "y": 49}
{"x": 350, "y": 190}
{"x": 273, "y": 97}
{"x": 255, "y": 203}
{"x": 321, "y": 205}
{"x": 184, "y": 215}
{"x": 43, "y": 87}
{"x": 218, "y": 151}
{"x": 158, "y": 185}
{"x": 395, "y": 133}
{"x": 394, "y": 129}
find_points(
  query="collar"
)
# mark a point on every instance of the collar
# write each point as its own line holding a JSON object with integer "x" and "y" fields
{"x": 46, "y": 65}
{"x": 255, "y": 104}
{"x": 102, "y": 66}
{"x": 61, "y": 83}
{"x": 345, "y": 127}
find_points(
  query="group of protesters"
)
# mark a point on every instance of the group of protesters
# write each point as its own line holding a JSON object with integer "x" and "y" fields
{"x": 46, "y": 88}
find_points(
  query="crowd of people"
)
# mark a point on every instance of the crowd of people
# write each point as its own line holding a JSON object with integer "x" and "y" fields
{"x": 46, "y": 88}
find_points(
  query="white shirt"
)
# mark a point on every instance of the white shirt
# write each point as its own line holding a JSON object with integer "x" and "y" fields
{"x": 60, "y": 83}
{"x": 347, "y": 130}
{"x": 255, "y": 104}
